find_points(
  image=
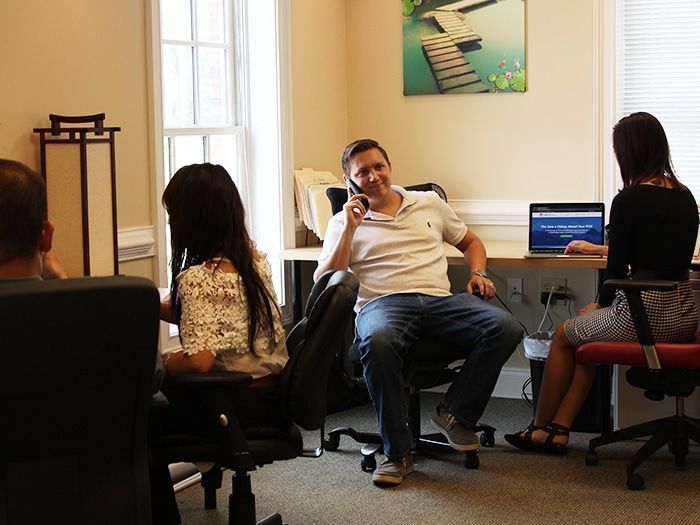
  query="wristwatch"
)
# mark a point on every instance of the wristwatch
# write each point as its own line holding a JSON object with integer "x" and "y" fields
{"x": 480, "y": 273}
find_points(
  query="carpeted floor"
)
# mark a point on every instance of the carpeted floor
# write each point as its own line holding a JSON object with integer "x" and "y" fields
{"x": 510, "y": 486}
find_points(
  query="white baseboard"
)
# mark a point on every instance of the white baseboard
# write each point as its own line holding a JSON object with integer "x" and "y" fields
{"x": 509, "y": 385}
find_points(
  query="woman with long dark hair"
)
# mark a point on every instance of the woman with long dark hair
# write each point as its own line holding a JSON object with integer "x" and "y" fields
{"x": 222, "y": 296}
{"x": 224, "y": 304}
{"x": 652, "y": 233}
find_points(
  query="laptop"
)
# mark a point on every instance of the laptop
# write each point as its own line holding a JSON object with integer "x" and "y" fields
{"x": 554, "y": 225}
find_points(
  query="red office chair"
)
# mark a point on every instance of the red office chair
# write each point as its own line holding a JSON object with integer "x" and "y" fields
{"x": 664, "y": 369}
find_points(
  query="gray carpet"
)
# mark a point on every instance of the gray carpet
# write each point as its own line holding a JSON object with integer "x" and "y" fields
{"x": 509, "y": 487}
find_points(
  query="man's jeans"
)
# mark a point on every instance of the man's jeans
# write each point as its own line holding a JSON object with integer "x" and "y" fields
{"x": 387, "y": 328}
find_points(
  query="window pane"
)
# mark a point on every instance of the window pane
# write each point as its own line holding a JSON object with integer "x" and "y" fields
{"x": 213, "y": 108}
{"x": 178, "y": 98}
{"x": 656, "y": 42}
{"x": 188, "y": 149}
{"x": 211, "y": 21}
{"x": 175, "y": 20}
{"x": 223, "y": 149}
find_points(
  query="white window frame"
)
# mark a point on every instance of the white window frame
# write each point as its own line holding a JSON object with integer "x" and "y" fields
{"x": 608, "y": 101}
{"x": 261, "y": 59}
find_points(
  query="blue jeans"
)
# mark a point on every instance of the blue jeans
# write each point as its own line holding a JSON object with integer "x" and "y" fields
{"x": 387, "y": 328}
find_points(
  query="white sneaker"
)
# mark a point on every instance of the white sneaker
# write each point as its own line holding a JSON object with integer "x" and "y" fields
{"x": 459, "y": 437}
{"x": 392, "y": 472}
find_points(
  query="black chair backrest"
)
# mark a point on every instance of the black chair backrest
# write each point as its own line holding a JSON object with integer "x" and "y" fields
{"x": 75, "y": 387}
{"x": 339, "y": 196}
{"x": 312, "y": 346}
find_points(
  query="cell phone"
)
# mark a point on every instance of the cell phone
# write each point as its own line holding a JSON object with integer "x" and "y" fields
{"x": 355, "y": 190}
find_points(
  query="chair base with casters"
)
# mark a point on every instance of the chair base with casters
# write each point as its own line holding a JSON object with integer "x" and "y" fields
{"x": 301, "y": 392}
{"x": 427, "y": 366}
{"x": 662, "y": 369}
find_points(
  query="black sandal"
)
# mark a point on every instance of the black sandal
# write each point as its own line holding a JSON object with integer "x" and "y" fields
{"x": 523, "y": 439}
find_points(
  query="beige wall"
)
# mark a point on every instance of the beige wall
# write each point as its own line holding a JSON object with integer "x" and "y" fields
{"x": 319, "y": 83}
{"x": 77, "y": 58}
{"x": 539, "y": 145}
{"x": 535, "y": 145}
{"x": 530, "y": 146}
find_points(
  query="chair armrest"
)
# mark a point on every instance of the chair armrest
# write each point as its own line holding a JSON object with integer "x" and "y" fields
{"x": 641, "y": 285}
{"x": 633, "y": 291}
{"x": 199, "y": 380}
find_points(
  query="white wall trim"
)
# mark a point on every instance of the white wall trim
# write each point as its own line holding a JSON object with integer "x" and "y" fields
{"x": 492, "y": 212}
{"x": 607, "y": 99}
{"x": 136, "y": 243}
{"x": 510, "y": 383}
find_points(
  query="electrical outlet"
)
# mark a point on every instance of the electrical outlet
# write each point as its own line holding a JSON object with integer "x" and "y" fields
{"x": 547, "y": 283}
{"x": 558, "y": 284}
{"x": 515, "y": 290}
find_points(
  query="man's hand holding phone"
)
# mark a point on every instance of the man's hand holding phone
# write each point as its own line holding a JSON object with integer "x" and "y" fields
{"x": 354, "y": 189}
{"x": 357, "y": 204}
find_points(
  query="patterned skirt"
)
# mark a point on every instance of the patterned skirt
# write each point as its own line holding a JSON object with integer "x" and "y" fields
{"x": 672, "y": 315}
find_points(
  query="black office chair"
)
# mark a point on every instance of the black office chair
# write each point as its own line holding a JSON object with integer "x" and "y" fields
{"x": 661, "y": 369}
{"x": 75, "y": 390}
{"x": 427, "y": 365}
{"x": 302, "y": 392}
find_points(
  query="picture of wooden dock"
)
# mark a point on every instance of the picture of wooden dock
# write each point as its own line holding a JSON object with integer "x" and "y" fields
{"x": 445, "y": 54}
{"x": 446, "y": 37}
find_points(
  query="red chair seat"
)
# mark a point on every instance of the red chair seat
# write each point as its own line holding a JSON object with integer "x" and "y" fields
{"x": 671, "y": 355}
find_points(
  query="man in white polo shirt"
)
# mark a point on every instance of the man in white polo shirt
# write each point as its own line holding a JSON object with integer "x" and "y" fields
{"x": 396, "y": 249}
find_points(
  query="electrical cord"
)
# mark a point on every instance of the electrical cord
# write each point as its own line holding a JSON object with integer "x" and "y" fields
{"x": 511, "y": 313}
{"x": 523, "y": 393}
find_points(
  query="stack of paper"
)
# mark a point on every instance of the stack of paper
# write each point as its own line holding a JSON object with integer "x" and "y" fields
{"x": 310, "y": 193}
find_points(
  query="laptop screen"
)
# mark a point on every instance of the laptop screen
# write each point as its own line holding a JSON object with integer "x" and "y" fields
{"x": 553, "y": 226}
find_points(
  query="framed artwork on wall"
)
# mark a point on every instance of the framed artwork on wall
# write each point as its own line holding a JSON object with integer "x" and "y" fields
{"x": 463, "y": 46}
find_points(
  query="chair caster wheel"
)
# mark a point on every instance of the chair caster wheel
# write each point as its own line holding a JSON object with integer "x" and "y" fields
{"x": 487, "y": 439}
{"x": 368, "y": 463}
{"x": 591, "y": 458}
{"x": 471, "y": 460}
{"x": 332, "y": 442}
{"x": 635, "y": 482}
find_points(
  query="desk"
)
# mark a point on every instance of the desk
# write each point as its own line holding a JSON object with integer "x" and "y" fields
{"x": 499, "y": 253}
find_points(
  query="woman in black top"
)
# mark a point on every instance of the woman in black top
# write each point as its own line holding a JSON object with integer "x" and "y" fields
{"x": 652, "y": 233}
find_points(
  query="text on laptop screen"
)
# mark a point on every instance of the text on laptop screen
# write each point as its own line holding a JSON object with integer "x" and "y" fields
{"x": 555, "y": 226}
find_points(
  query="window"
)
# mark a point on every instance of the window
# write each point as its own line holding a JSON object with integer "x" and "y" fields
{"x": 200, "y": 84}
{"x": 657, "y": 47}
{"x": 220, "y": 94}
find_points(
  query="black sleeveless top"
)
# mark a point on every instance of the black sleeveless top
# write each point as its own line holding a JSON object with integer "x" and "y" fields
{"x": 652, "y": 234}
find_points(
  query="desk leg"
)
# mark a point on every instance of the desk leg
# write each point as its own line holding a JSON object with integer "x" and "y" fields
{"x": 296, "y": 285}
{"x": 605, "y": 396}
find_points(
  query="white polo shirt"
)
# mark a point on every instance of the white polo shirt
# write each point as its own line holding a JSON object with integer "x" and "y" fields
{"x": 402, "y": 254}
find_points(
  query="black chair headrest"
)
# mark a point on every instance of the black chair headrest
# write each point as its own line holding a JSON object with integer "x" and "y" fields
{"x": 339, "y": 196}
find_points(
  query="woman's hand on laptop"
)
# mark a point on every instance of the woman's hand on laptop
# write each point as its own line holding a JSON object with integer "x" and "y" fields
{"x": 587, "y": 248}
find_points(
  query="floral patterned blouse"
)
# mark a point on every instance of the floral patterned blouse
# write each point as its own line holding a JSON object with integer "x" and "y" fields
{"x": 215, "y": 319}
